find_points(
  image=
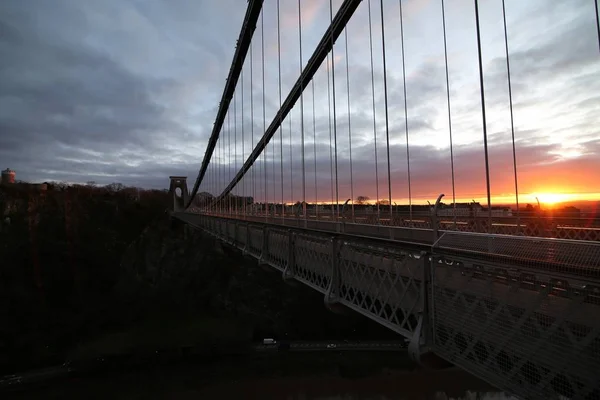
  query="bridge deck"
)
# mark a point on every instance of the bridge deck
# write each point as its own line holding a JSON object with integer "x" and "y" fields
{"x": 500, "y": 307}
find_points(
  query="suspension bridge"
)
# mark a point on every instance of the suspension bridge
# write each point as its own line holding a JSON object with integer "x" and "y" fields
{"x": 510, "y": 294}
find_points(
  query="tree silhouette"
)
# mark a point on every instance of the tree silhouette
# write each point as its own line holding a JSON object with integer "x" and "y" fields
{"x": 362, "y": 199}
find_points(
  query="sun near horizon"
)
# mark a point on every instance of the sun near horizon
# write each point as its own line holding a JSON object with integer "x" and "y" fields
{"x": 546, "y": 199}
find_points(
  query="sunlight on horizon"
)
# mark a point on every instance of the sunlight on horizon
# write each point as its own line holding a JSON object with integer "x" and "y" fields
{"x": 548, "y": 199}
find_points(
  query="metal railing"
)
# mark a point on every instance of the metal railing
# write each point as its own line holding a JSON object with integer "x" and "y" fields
{"x": 519, "y": 312}
{"x": 574, "y": 228}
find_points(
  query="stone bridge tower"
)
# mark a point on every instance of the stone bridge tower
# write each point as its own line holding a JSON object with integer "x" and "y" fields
{"x": 179, "y": 192}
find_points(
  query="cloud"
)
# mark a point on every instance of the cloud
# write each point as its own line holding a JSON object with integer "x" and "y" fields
{"x": 111, "y": 91}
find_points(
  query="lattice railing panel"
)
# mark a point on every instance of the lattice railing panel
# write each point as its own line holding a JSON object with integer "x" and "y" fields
{"x": 277, "y": 248}
{"x": 532, "y": 334}
{"x": 560, "y": 256}
{"x": 231, "y": 231}
{"x": 255, "y": 243}
{"x": 562, "y": 228}
{"x": 241, "y": 235}
{"x": 313, "y": 260}
{"x": 521, "y": 313}
{"x": 383, "y": 282}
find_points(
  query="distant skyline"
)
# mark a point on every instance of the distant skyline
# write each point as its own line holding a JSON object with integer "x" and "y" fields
{"x": 127, "y": 91}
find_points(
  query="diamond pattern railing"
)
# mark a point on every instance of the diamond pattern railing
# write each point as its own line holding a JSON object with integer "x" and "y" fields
{"x": 255, "y": 242}
{"x": 277, "y": 250}
{"x": 578, "y": 258}
{"x": 383, "y": 282}
{"x": 526, "y": 322}
{"x": 519, "y": 312}
{"x": 587, "y": 229}
{"x": 312, "y": 261}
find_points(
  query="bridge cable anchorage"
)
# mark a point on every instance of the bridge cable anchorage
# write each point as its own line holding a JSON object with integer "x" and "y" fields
{"x": 512, "y": 124}
{"x": 302, "y": 114}
{"x": 315, "y": 147}
{"x": 266, "y": 181}
{"x": 337, "y": 189}
{"x": 485, "y": 142}
{"x": 406, "y": 115}
{"x": 243, "y": 42}
{"x": 449, "y": 113}
{"x": 349, "y": 123}
{"x": 374, "y": 114}
{"x": 330, "y": 138}
{"x": 280, "y": 115}
{"x": 344, "y": 13}
{"x": 387, "y": 126}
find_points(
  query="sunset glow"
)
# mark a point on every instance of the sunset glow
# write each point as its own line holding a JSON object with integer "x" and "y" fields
{"x": 547, "y": 199}
{"x": 558, "y": 198}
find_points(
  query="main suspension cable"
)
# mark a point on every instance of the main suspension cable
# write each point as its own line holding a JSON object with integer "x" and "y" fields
{"x": 597, "y": 22}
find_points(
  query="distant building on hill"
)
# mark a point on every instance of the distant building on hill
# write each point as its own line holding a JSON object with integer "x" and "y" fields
{"x": 8, "y": 176}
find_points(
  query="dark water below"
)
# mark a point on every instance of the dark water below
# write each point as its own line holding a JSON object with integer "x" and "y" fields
{"x": 298, "y": 378}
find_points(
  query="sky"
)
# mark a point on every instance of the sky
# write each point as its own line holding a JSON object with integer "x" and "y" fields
{"x": 127, "y": 91}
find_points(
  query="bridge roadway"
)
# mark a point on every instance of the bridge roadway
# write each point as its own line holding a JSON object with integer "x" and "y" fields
{"x": 519, "y": 312}
{"x": 421, "y": 226}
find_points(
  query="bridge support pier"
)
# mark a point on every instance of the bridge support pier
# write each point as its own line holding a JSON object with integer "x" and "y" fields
{"x": 178, "y": 190}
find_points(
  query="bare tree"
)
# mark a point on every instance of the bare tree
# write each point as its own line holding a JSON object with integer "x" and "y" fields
{"x": 362, "y": 199}
{"x": 115, "y": 187}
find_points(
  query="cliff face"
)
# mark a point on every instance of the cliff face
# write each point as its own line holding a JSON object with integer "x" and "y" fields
{"x": 59, "y": 262}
